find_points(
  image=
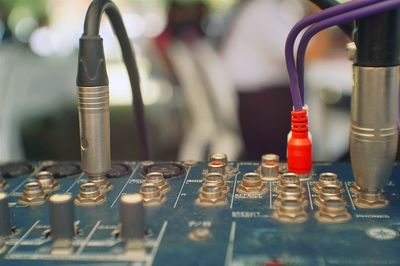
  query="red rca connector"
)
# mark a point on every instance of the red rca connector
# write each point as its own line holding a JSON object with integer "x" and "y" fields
{"x": 299, "y": 150}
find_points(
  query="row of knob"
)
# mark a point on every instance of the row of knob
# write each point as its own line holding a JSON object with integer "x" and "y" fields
{"x": 62, "y": 220}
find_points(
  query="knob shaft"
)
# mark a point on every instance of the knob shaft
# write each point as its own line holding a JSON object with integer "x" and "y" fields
{"x": 5, "y": 224}
{"x": 131, "y": 214}
{"x": 62, "y": 217}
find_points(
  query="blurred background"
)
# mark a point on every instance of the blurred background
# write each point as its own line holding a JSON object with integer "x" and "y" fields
{"x": 212, "y": 73}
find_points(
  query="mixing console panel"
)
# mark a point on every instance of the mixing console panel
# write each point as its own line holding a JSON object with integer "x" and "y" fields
{"x": 193, "y": 217}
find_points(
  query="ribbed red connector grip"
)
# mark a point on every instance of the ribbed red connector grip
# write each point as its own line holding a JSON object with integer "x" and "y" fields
{"x": 299, "y": 152}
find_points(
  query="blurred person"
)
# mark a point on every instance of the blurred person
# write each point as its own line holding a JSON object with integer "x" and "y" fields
{"x": 35, "y": 90}
{"x": 193, "y": 64}
{"x": 253, "y": 53}
{"x": 328, "y": 81}
{"x": 184, "y": 24}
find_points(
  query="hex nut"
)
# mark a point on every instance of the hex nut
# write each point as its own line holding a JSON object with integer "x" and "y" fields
{"x": 290, "y": 211}
{"x": 217, "y": 180}
{"x": 289, "y": 179}
{"x": 89, "y": 195}
{"x": 251, "y": 184}
{"x": 269, "y": 170}
{"x": 211, "y": 195}
{"x": 216, "y": 167}
{"x": 366, "y": 200}
{"x": 47, "y": 181}
{"x": 290, "y": 191}
{"x": 219, "y": 157}
{"x": 327, "y": 179}
{"x": 158, "y": 179}
{"x": 151, "y": 194}
{"x": 270, "y": 157}
{"x": 33, "y": 194}
{"x": 326, "y": 193}
{"x": 305, "y": 177}
{"x": 333, "y": 211}
{"x": 101, "y": 182}
{"x": 190, "y": 163}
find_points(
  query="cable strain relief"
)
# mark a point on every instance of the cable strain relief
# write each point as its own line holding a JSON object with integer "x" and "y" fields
{"x": 92, "y": 70}
{"x": 299, "y": 123}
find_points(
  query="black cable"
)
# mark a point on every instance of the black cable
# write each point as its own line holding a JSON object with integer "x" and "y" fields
{"x": 324, "y": 4}
{"x": 90, "y": 35}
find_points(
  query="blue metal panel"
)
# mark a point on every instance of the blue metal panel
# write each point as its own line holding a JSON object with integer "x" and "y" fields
{"x": 242, "y": 232}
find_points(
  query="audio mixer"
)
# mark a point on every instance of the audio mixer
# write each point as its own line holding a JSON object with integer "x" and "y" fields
{"x": 195, "y": 213}
{"x": 218, "y": 212}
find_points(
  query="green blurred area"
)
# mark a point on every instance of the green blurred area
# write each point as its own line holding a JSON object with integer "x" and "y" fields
{"x": 36, "y": 7}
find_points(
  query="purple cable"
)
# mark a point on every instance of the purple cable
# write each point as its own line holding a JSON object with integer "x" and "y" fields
{"x": 342, "y": 18}
{"x": 297, "y": 96}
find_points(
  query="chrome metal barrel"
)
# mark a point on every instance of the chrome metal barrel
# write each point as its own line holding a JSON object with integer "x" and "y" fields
{"x": 374, "y": 133}
{"x": 94, "y": 124}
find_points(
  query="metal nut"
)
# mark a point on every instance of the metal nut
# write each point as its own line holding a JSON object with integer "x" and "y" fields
{"x": 367, "y": 200}
{"x": 326, "y": 193}
{"x": 33, "y": 194}
{"x": 158, "y": 179}
{"x": 290, "y": 191}
{"x": 327, "y": 179}
{"x": 290, "y": 211}
{"x": 269, "y": 168}
{"x": 47, "y": 181}
{"x": 101, "y": 182}
{"x": 218, "y": 163}
{"x": 333, "y": 211}
{"x": 305, "y": 177}
{"x": 270, "y": 157}
{"x": 289, "y": 179}
{"x": 210, "y": 195}
{"x": 151, "y": 194}
{"x": 89, "y": 195}
{"x": 189, "y": 163}
{"x": 251, "y": 184}
{"x": 219, "y": 157}
{"x": 216, "y": 180}
{"x": 216, "y": 167}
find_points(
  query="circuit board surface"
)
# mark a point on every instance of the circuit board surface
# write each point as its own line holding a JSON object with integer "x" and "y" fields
{"x": 241, "y": 232}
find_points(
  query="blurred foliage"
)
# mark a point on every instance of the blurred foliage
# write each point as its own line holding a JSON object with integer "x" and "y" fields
{"x": 37, "y": 7}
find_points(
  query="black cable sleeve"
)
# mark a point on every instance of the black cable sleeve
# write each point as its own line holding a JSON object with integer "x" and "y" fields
{"x": 91, "y": 30}
{"x": 91, "y": 62}
{"x": 378, "y": 40}
{"x": 347, "y": 28}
